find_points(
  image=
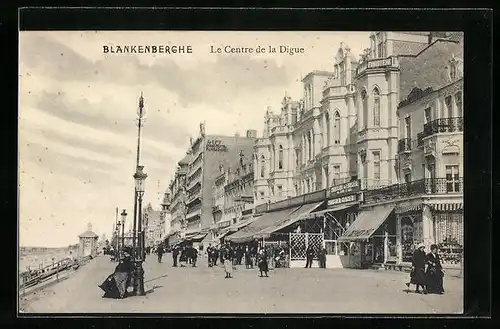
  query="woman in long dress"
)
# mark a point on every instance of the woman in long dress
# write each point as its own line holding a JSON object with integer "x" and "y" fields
{"x": 262, "y": 262}
{"x": 116, "y": 284}
{"x": 228, "y": 261}
{"x": 417, "y": 275}
{"x": 434, "y": 273}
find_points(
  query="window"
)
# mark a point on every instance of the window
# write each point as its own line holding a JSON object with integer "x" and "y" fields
{"x": 364, "y": 100}
{"x": 336, "y": 128}
{"x": 280, "y": 157}
{"x": 297, "y": 157}
{"x": 280, "y": 190}
{"x": 262, "y": 166}
{"x": 376, "y": 107}
{"x": 452, "y": 179}
{"x": 380, "y": 48}
{"x": 449, "y": 108}
{"x": 453, "y": 71}
{"x": 261, "y": 194}
{"x": 408, "y": 127}
{"x": 408, "y": 178}
{"x": 427, "y": 115}
{"x": 376, "y": 165}
{"x": 336, "y": 174}
{"x": 328, "y": 129}
{"x": 458, "y": 103}
{"x": 309, "y": 146}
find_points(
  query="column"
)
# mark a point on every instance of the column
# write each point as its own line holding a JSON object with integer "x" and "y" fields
{"x": 427, "y": 227}
{"x": 324, "y": 129}
{"x": 317, "y": 137}
{"x": 399, "y": 246}
{"x": 323, "y": 177}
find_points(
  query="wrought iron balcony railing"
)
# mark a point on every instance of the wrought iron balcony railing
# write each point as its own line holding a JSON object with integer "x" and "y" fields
{"x": 404, "y": 145}
{"x": 422, "y": 186}
{"x": 444, "y": 125}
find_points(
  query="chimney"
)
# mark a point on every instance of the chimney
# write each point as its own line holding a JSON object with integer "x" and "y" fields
{"x": 251, "y": 133}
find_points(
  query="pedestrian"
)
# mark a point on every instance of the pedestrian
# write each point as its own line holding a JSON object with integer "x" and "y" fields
{"x": 309, "y": 256}
{"x": 175, "y": 255}
{"x": 210, "y": 255}
{"x": 227, "y": 261}
{"x": 116, "y": 284}
{"x": 262, "y": 262}
{"x": 322, "y": 258}
{"x": 159, "y": 252}
{"x": 434, "y": 274}
{"x": 194, "y": 255}
{"x": 417, "y": 275}
{"x": 248, "y": 258}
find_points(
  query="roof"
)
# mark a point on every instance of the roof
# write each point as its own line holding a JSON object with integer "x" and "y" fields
{"x": 427, "y": 69}
{"x": 88, "y": 234}
{"x": 187, "y": 158}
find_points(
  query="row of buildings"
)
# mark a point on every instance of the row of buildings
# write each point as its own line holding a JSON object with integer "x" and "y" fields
{"x": 370, "y": 160}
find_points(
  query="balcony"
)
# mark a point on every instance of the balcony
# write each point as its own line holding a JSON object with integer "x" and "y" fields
{"x": 373, "y": 184}
{"x": 422, "y": 186}
{"x": 444, "y": 125}
{"x": 404, "y": 145}
{"x": 279, "y": 129}
{"x": 420, "y": 140}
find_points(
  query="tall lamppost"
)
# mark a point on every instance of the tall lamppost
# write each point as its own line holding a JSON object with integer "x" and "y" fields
{"x": 124, "y": 217}
{"x": 118, "y": 225}
{"x": 140, "y": 178}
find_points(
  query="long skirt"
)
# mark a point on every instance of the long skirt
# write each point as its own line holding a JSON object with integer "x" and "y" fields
{"x": 115, "y": 285}
{"x": 263, "y": 266}
{"x": 228, "y": 266}
{"x": 434, "y": 280}
{"x": 417, "y": 276}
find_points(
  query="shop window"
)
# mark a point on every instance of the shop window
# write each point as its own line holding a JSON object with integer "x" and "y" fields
{"x": 449, "y": 236}
{"x": 452, "y": 179}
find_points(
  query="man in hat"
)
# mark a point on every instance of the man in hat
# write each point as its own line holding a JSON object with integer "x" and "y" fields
{"x": 417, "y": 275}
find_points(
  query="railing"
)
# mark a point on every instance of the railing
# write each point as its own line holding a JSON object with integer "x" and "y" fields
{"x": 420, "y": 139}
{"x": 422, "y": 186}
{"x": 404, "y": 145}
{"x": 374, "y": 184}
{"x": 279, "y": 129}
{"x": 444, "y": 125}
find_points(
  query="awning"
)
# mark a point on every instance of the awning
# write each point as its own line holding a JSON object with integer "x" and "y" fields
{"x": 333, "y": 209}
{"x": 198, "y": 237}
{"x": 222, "y": 234}
{"x": 293, "y": 217}
{"x": 266, "y": 220}
{"x": 446, "y": 206}
{"x": 366, "y": 224}
{"x": 241, "y": 224}
{"x": 404, "y": 209}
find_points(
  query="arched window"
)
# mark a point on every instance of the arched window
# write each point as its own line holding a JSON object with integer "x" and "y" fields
{"x": 328, "y": 129}
{"x": 364, "y": 100}
{"x": 336, "y": 128}
{"x": 262, "y": 166}
{"x": 376, "y": 107}
{"x": 280, "y": 157}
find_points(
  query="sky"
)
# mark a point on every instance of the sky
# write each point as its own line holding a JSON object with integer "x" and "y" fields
{"x": 78, "y": 105}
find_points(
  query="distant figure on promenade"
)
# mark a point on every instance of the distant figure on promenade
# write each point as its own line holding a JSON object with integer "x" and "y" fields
{"x": 175, "y": 255}
{"x": 322, "y": 258}
{"x": 159, "y": 252}
{"x": 262, "y": 262}
{"x": 215, "y": 255}
{"x": 116, "y": 284}
{"x": 434, "y": 273}
{"x": 417, "y": 275}
{"x": 309, "y": 256}
{"x": 248, "y": 258}
{"x": 194, "y": 255}
{"x": 210, "y": 255}
{"x": 183, "y": 258}
{"x": 227, "y": 259}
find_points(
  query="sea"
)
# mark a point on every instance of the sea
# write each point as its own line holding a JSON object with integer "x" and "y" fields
{"x": 35, "y": 260}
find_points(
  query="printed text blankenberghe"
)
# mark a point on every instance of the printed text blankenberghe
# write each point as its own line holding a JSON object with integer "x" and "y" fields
{"x": 149, "y": 49}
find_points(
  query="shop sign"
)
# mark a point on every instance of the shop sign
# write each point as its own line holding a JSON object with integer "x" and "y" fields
{"x": 215, "y": 146}
{"x": 344, "y": 199}
{"x": 358, "y": 233}
{"x": 349, "y": 187}
{"x": 224, "y": 224}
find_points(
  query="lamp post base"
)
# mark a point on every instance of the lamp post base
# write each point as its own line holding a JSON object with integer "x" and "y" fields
{"x": 139, "y": 280}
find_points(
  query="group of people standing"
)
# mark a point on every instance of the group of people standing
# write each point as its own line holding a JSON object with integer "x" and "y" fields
{"x": 184, "y": 255}
{"x": 427, "y": 271}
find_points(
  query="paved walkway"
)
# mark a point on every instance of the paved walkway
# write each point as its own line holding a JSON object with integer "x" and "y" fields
{"x": 205, "y": 290}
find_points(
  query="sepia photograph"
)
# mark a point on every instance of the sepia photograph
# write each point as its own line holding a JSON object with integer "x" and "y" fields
{"x": 272, "y": 172}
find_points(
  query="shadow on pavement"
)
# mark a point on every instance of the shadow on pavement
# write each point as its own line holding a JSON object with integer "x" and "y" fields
{"x": 158, "y": 277}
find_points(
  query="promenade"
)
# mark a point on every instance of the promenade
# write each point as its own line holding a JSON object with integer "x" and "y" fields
{"x": 205, "y": 290}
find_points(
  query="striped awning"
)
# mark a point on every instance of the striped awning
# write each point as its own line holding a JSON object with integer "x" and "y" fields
{"x": 408, "y": 208}
{"x": 446, "y": 206}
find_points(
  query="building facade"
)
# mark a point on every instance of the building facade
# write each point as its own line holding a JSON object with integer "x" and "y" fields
{"x": 178, "y": 194}
{"x": 391, "y": 123}
{"x": 154, "y": 222}
{"x": 207, "y": 153}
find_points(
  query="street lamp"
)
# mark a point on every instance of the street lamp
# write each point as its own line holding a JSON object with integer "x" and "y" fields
{"x": 124, "y": 217}
{"x": 118, "y": 225}
{"x": 140, "y": 178}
